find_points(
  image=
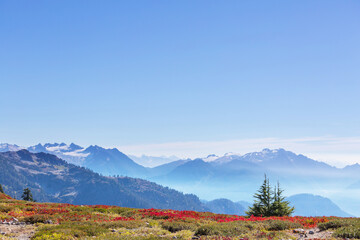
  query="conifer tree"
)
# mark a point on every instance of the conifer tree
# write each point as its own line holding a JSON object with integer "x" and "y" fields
{"x": 270, "y": 203}
{"x": 263, "y": 200}
{"x": 27, "y": 195}
{"x": 1, "y": 189}
{"x": 280, "y": 206}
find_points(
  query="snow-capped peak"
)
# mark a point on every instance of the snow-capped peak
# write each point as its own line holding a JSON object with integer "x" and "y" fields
{"x": 4, "y": 147}
{"x": 210, "y": 158}
{"x": 231, "y": 154}
{"x": 57, "y": 148}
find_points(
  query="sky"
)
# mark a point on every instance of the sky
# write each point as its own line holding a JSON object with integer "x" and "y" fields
{"x": 154, "y": 76}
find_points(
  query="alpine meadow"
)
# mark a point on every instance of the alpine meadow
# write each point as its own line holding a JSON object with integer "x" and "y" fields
{"x": 155, "y": 120}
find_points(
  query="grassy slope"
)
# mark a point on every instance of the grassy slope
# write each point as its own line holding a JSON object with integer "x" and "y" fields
{"x": 110, "y": 222}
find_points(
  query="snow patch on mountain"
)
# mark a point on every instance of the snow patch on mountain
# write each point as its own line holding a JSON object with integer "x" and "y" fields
{"x": 210, "y": 158}
{"x": 5, "y": 147}
{"x": 57, "y": 148}
{"x": 77, "y": 153}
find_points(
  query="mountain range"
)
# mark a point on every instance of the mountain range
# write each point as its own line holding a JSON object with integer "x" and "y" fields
{"x": 305, "y": 205}
{"x": 107, "y": 162}
{"x": 314, "y": 205}
{"x": 151, "y": 161}
{"x": 113, "y": 162}
{"x": 231, "y": 176}
{"x": 53, "y": 179}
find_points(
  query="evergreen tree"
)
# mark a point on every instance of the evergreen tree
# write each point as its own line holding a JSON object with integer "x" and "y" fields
{"x": 27, "y": 195}
{"x": 270, "y": 203}
{"x": 1, "y": 189}
{"x": 263, "y": 200}
{"x": 280, "y": 206}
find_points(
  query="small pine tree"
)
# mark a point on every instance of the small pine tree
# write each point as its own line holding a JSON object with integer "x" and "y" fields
{"x": 270, "y": 203}
{"x": 263, "y": 200}
{"x": 280, "y": 206}
{"x": 1, "y": 189}
{"x": 27, "y": 195}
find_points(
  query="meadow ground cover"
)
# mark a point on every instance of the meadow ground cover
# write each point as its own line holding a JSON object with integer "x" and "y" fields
{"x": 66, "y": 221}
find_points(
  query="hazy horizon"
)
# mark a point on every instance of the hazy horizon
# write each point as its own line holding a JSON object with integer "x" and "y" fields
{"x": 336, "y": 152}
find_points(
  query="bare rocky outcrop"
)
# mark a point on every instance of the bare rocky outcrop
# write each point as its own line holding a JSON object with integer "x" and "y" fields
{"x": 16, "y": 230}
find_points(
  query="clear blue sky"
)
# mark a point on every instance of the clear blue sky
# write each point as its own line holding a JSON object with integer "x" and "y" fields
{"x": 141, "y": 72}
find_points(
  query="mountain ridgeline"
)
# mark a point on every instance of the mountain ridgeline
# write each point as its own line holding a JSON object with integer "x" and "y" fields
{"x": 53, "y": 179}
{"x": 231, "y": 176}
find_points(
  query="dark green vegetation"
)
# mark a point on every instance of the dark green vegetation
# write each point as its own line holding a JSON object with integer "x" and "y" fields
{"x": 270, "y": 202}
{"x": 343, "y": 228}
{"x": 27, "y": 195}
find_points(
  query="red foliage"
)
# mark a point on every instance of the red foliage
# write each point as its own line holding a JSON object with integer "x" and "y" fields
{"x": 307, "y": 222}
{"x": 68, "y": 212}
{"x": 4, "y": 196}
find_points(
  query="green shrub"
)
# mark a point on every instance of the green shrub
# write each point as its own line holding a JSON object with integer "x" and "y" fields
{"x": 125, "y": 212}
{"x": 5, "y": 209}
{"x": 334, "y": 224}
{"x": 73, "y": 229}
{"x": 120, "y": 237}
{"x": 53, "y": 236}
{"x": 222, "y": 229}
{"x": 175, "y": 226}
{"x": 36, "y": 219}
{"x": 348, "y": 232}
{"x": 123, "y": 224}
{"x": 278, "y": 225}
{"x": 82, "y": 209}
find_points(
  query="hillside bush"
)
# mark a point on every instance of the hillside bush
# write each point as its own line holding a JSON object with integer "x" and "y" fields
{"x": 334, "y": 224}
{"x": 36, "y": 219}
{"x": 5, "y": 208}
{"x": 4, "y": 196}
{"x": 229, "y": 229}
{"x": 75, "y": 229}
{"x": 352, "y": 232}
{"x": 54, "y": 236}
{"x": 277, "y": 225}
{"x": 176, "y": 226}
{"x": 124, "y": 224}
{"x": 124, "y": 212}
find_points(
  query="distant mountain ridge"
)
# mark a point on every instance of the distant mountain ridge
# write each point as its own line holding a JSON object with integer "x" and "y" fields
{"x": 53, "y": 179}
{"x": 305, "y": 205}
{"x": 274, "y": 160}
{"x": 108, "y": 162}
{"x": 225, "y": 206}
{"x": 5, "y": 147}
{"x": 232, "y": 176}
{"x": 314, "y": 205}
{"x": 152, "y": 161}
{"x": 277, "y": 163}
